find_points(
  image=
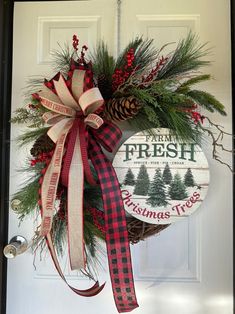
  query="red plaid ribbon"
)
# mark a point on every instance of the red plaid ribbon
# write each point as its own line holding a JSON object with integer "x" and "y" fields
{"x": 118, "y": 249}
{"x": 119, "y": 257}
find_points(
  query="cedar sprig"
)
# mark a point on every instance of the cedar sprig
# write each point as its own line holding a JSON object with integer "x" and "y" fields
{"x": 31, "y": 117}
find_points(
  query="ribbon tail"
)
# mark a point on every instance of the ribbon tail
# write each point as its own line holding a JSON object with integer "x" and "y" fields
{"x": 72, "y": 176}
{"x": 75, "y": 208}
{"x": 94, "y": 290}
{"x": 118, "y": 249}
{"x": 50, "y": 183}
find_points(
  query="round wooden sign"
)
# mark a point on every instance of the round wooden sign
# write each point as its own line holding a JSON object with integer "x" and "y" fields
{"x": 161, "y": 180}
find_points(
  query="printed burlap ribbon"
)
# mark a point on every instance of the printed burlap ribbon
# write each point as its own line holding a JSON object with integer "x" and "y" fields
{"x": 73, "y": 113}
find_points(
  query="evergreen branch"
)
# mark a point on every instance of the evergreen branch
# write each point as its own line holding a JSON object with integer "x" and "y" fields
{"x": 31, "y": 136}
{"x": 62, "y": 58}
{"x": 187, "y": 57}
{"x": 59, "y": 234}
{"x": 33, "y": 85}
{"x": 102, "y": 61}
{"x": 185, "y": 86}
{"x": 103, "y": 67}
{"x": 28, "y": 197}
{"x": 145, "y": 54}
{"x": 180, "y": 125}
{"x": 207, "y": 101}
{"x": 28, "y": 116}
{"x": 151, "y": 116}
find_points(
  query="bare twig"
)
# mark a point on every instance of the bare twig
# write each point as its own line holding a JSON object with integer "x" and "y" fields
{"x": 216, "y": 139}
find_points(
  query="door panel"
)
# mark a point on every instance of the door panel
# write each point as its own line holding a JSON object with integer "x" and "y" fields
{"x": 186, "y": 265}
{"x": 185, "y": 269}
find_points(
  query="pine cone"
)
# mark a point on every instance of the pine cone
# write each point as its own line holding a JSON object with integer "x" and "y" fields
{"x": 120, "y": 109}
{"x": 42, "y": 145}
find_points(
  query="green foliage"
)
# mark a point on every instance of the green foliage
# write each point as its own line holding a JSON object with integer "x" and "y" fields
{"x": 33, "y": 85}
{"x": 187, "y": 57}
{"x": 151, "y": 116}
{"x": 156, "y": 192}
{"x": 31, "y": 136}
{"x": 142, "y": 181}
{"x": 177, "y": 189}
{"x": 207, "y": 101}
{"x": 103, "y": 67}
{"x": 28, "y": 194}
{"x": 185, "y": 86}
{"x": 26, "y": 116}
{"x": 62, "y": 58}
{"x": 59, "y": 234}
{"x": 145, "y": 54}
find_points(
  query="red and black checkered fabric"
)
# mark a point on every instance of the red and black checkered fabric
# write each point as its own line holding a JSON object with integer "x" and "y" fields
{"x": 118, "y": 249}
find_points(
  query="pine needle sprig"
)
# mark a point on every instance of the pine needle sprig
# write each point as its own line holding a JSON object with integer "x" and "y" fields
{"x": 144, "y": 52}
{"x": 31, "y": 136}
{"x": 180, "y": 125}
{"x": 187, "y": 57}
{"x": 28, "y": 197}
{"x": 33, "y": 85}
{"x": 103, "y": 67}
{"x": 207, "y": 101}
{"x": 184, "y": 87}
{"x": 62, "y": 58}
{"x": 59, "y": 234}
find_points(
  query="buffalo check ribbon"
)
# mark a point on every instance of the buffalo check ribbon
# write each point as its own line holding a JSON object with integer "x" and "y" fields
{"x": 118, "y": 249}
{"x": 74, "y": 119}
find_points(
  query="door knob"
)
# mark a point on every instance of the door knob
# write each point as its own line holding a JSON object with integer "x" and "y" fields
{"x": 17, "y": 245}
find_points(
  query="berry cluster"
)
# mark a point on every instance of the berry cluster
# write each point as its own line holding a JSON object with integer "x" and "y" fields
{"x": 195, "y": 115}
{"x": 43, "y": 157}
{"x": 130, "y": 57}
{"x": 120, "y": 76}
{"x": 153, "y": 73}
{"x": 82, "y": 60}
{"x": 75, "y": 42}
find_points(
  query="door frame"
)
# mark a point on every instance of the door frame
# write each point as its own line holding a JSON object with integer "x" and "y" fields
{"x": 6, "y": 36}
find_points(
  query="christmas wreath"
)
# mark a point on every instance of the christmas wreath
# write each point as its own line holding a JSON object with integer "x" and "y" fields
{"x": 74, "y": 118}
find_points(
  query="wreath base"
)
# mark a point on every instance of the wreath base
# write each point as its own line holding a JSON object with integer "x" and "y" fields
{"x": 139, "y": 230}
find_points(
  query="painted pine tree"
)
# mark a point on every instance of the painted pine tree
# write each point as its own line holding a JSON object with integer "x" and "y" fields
{"x": 177, "y": 189}
{"x": 157, "y": 195}
{"x": 129, "y": 178}
{"x": 142, "y": 182}
{"x": 188, "y": 178}
{"x": 167, "y": 176}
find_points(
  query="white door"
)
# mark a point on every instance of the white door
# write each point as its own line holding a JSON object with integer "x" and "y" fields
{"x": 186, "y": 269}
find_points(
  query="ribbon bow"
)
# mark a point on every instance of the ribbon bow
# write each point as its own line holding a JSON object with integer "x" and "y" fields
{"x": 69, "y": 112}
{"x": 74, "y": 116}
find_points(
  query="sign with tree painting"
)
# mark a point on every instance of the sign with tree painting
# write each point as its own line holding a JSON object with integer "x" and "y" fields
{"x": 162, "y": 180}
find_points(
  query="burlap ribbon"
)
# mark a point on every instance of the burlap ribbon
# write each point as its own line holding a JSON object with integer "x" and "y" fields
{"x": 73, "y": 116}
